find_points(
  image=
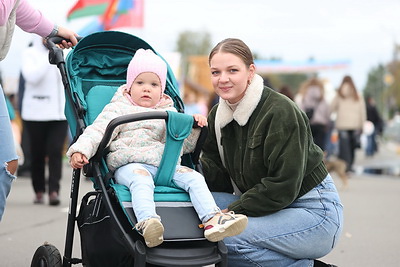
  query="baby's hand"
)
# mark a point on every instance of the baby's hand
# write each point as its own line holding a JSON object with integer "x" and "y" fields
{"x": 78, "y": 160}
{"x": 200, "y": 119}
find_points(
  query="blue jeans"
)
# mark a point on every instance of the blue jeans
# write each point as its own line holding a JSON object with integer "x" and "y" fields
{"x": 372, "y": 146}
{"x": 138, "y": 178}
{"x": 307, "y": 229}
{"x": 7, "y": 153}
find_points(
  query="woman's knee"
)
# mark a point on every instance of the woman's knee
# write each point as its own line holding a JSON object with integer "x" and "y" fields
{"x": 224, "y": 199}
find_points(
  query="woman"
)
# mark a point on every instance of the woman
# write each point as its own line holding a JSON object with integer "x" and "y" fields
{"x": 351, "y": 115}
{"x": 316, "y": 108}
{"x": 268, "y": 156}
{"x": 20, "y": 13}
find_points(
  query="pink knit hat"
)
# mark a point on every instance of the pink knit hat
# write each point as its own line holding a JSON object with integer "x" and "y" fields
{"x": 146, "y": 61}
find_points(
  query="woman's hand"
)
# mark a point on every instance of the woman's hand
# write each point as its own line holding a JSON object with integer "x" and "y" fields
{"x": 67, "y": 34}
{"x": 200, "y": 119}
{"x": 78, "y": 160}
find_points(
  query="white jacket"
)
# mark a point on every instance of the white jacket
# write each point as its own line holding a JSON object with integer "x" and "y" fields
{"x": 44, "y": 98}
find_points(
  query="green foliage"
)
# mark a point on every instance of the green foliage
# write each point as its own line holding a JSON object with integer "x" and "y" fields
{"x": 386, "y": 95}
{"x": 194, "y": 43}
{"x": 375, "y": 84}
{"x": 292, "y": 80}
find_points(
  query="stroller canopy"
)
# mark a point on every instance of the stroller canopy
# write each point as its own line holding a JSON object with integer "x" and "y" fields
{"x": 101, "y": 59}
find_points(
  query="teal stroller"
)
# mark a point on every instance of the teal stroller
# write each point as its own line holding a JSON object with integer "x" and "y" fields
{"x": 91, "y": 74}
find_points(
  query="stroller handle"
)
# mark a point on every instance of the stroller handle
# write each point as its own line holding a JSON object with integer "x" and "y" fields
{"x": 56, "y": 55}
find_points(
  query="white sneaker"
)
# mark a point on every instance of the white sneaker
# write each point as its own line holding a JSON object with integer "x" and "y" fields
{"x": 223, "y": 225}
{"x": 152, "y": 231}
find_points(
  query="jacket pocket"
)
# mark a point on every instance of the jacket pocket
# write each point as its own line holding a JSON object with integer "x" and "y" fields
{"x": 254, "y": 141}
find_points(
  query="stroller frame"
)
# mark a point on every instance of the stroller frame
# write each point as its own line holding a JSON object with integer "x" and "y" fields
{"x": 200, "y": 253}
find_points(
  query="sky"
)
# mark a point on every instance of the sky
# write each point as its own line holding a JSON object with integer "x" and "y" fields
{"x": 362, "y": 32}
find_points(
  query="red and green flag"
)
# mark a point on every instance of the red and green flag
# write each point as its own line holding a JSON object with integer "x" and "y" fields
{"x": 109, "y": 14}
{"x": 84, "y": 8}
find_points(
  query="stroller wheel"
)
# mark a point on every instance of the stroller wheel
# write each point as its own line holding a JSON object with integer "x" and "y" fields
{"x": 46, "y": 255}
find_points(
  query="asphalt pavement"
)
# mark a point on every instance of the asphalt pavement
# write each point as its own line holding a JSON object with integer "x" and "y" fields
{"x": 371, "y": 234}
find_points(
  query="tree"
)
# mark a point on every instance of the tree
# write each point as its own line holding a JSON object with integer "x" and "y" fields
{"x": 193, "y": 43}
{"x": 383, "y": 85}
{"x": 375, "y": 86}
{"x": 392, "y": 82}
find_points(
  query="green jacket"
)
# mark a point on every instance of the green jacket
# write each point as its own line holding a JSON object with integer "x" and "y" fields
{"x": 268, "y": 151}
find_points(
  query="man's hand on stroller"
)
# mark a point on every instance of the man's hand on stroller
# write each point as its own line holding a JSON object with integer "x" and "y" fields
{"x": 78, "y": 160}
{"x": 200, "y": 119}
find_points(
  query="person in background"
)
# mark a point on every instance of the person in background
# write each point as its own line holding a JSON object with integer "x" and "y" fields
{"x": 285, "y": 90}
{"x": 192, "y": 105}
{"x": 350, "y": 112}
{"x": 377, "y": 127}
{"x": 259, "y": 159}
{"x": 29, "y": 19}
{"x": 313, "y": 103}
{"x": 44, "y": 119}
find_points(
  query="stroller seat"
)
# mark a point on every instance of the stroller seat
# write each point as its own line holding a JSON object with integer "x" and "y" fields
{"x": 96, "y": 98}
{"x": 166, "y": 195}
{"x": 172, "y": 203}
{"x": 94, "y": 70}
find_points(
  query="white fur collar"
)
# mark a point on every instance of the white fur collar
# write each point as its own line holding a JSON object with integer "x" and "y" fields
{"x": 245, "y": 108}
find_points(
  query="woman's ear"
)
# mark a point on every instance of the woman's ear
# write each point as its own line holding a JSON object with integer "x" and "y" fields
{"x": 252, "y": 71}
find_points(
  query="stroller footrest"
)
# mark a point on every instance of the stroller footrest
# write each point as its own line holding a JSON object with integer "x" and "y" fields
{"x": 173, "y": 214}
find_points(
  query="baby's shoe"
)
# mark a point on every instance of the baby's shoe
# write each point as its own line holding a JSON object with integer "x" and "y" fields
{"x": 223, "y": 225}
{"x": 152, "y": 231}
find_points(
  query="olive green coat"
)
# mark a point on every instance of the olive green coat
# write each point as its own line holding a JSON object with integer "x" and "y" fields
{"x": 268, "y": 150}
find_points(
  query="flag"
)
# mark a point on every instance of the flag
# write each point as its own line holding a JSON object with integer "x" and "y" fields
{"x": 84, "y": 8}
{"x": 110, "y": 14}
{"x": 129, "y": 14}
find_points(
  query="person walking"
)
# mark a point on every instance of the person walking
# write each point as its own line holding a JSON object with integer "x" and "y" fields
{"x": 43, "y": 116}
{"x": 259, "y": 159}
{"x": 313, "y": 103}
{"x": 350, "y": 111}
{"x": 29, "y": 19}
{"x": 376, "y": 127}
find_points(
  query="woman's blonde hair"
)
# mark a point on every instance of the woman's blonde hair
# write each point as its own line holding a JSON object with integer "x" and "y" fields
{"x": 233, "y": 46}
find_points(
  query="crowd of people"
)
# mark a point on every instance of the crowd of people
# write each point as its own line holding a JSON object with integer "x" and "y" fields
{"x": 340, "y": 125}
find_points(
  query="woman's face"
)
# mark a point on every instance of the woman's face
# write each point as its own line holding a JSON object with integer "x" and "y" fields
{"x": 230, "y": 76}
{"x": 347, "y": 90}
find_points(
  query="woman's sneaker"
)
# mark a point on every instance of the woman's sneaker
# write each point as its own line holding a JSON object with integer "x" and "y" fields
{"x": 152, "y": 231}
{"x": 223, "y": 225}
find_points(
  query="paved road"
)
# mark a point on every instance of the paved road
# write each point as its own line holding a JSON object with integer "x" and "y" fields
{"x": 371, "y": 235}
{"x": 26, "y": 226}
